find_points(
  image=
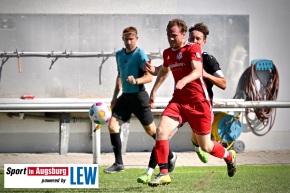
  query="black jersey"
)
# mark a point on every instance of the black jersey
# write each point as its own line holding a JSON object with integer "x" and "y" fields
{"x": 210, "y": 65}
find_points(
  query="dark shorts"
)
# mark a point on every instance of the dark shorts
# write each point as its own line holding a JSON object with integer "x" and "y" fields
{"x": 136, "y": 103}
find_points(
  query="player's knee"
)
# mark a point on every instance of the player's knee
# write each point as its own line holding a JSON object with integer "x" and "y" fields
{"x": 113, "y": 127}
{"x": 162, "y": 133}
{"x": 206, "y": 147}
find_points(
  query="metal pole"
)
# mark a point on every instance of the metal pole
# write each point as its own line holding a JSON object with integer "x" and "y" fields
{"x": 66, "y": 54}
{"x": 64, "y": 129}
{"x": 251, "y": 104}
{"x": 96, "y": 144}
{"x": 241, "y": 104}
{"x": 78, "y": 106}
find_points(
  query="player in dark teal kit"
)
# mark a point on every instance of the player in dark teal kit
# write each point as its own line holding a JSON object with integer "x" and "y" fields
{"x": 134, "y": 98}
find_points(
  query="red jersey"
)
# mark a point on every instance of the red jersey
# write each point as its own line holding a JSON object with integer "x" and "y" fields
{"x": 179, "y": 61}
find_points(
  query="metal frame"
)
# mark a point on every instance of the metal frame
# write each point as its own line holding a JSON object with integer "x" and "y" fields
{"x": 66, "y": 54}
{"x": 65, "y": 106}
{"x": 82, "y": 105}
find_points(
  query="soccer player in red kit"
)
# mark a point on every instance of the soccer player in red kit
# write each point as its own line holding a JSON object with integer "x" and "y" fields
{"x": 190, "y": 102}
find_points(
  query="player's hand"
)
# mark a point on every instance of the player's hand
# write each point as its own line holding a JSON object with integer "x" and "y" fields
{"x": 131, "y": 79}
{"x": 151, "y": 101}
{"x": 149, "y": 67}
{"x": 204, "y": 74}
{"x": 180, "y": 84}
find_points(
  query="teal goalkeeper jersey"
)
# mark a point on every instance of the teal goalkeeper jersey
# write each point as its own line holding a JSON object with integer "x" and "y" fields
{"x": 131, "y": 64}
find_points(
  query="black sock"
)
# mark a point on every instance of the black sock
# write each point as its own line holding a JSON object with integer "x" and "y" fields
{"x": 117, "y": 147}
{"x": 153, "y": 161}
{"x": 170, "y": 155}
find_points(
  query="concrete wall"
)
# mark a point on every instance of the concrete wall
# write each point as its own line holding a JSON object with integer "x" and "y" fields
{"x": 268, "y": 28}
{"x": 95, "y": 77}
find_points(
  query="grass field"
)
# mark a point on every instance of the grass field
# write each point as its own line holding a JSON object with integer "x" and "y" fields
{"x": 264, "y": 179}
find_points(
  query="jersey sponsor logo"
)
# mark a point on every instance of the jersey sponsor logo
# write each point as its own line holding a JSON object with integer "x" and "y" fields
{"x": 168, "y": 58}
{"x": 51, "y": 176}
{"x": 176, "y": 64}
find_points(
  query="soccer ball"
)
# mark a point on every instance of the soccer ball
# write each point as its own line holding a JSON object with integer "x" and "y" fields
{"x": 100, "y": 113}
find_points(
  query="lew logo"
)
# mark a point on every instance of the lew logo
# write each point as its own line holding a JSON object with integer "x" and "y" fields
{"x": 83, "y": 175}
{"x": 51, "y": 176}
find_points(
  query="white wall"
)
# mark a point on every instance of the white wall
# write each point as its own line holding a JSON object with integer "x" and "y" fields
{"x": 269, "y": 38}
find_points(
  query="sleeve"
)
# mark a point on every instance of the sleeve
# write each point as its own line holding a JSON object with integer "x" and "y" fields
{"x": 215, "y": 64}
{"x": 195, "y": 52}
{"x": 211, "y": 62}
{"x": 144, "y": 58}
{"x": 117, "y": 56}
{"x": 165, "y": 58}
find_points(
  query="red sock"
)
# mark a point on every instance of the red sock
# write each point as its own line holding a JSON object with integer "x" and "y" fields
{"x": 161, "y": 152}
{"x": 228, "y": 158}
{"x": 218, "y": 150}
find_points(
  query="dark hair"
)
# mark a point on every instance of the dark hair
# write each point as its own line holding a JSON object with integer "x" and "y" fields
{"x": 179, "y": 22}
{"x": 201, "y": 28}
{"x": 130, "y": 29}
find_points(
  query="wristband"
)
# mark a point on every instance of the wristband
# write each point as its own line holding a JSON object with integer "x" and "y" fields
{"x": 136, "y": 81}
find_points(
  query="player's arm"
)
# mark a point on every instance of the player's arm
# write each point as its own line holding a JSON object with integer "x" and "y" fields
{"x": 217, "y": 79}
{"x": 193, "y": 75}
{"x": 153, "y": 70}
{"x": 118, "y": 87}
{"x": 146, "y": 78}
{"x": 162, "y": 75}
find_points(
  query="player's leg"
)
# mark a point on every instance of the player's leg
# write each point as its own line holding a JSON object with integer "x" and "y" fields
{"x": 142, "y": 111}
{"x": 203, "y": 156}
{"x": 167, "y": 125}
{"x": 202, "y": 128}
{"x": 172, "y": 157}
{"x": 216, "y": 149}
{"x": 114, "y": 130}
{"x": 140, "y": 108}
{"x": 119, "y": 111}
{"x": 146, "y": 176}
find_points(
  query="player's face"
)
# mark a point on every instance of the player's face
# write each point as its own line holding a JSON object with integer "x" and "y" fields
{"x": 175, "y": 37}
{"x": 130, "y": 40}
{"x": 197, "y": 37}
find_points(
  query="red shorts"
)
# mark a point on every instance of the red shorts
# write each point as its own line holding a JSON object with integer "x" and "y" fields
{"x": 198, "y": 114}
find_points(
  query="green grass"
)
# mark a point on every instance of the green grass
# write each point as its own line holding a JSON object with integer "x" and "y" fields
{"x": 264, "y": 179}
